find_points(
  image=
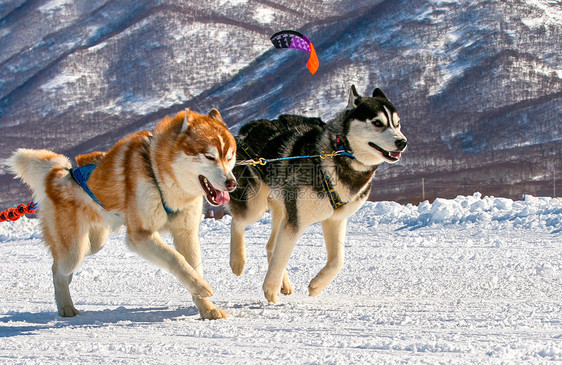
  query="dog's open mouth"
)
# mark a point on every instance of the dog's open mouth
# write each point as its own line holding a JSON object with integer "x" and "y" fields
{"x": 214, "y": 196}
{"x": 389, "y": 155}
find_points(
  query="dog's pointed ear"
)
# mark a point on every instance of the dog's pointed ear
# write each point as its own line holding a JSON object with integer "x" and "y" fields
{"x": 214, "y": 113}
{"x": 377, "y": 93}
{"x": 353, "y": 96}
{"x": 187, "y": 119}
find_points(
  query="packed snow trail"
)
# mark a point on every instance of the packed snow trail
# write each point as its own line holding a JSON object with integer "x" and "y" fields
{"x": 468, "y": 280}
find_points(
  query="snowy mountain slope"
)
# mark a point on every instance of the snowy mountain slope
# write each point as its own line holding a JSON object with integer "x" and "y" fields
{"x": 470, "y": 280}
{"x": 71, "y": 71}
{"x": 478, "y": 83}
{"x": 477, "y": 88}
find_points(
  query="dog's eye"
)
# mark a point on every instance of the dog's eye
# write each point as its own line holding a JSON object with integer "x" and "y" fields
{"x": 209, "y": 157}
{"x": 377, "y": 123}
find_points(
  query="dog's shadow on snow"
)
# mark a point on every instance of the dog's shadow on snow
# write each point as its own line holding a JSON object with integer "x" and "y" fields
{"x": 28, "y": 323}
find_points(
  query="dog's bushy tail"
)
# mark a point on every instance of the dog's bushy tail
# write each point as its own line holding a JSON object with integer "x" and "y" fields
{"x": 33, "y": 166}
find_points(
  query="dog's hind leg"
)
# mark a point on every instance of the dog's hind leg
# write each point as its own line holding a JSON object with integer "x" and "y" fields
{"x": 97, "y": 235}
{"x": 334, "y": 237}
{"x": 287, "y": 237}
{"x": 276, "y": 220}
{"x": 66, "y": 261}
{"x": 61, "y": 281}
{"x": 64, "y": 266}
{"x": 184, "y": 227}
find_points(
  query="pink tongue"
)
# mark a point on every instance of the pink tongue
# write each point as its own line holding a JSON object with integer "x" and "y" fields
{"x": 222, "y": 197}
{"x": 395, "y": 154}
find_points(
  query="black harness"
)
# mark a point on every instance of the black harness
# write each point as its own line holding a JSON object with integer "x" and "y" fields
{"x": 327, "y": 184}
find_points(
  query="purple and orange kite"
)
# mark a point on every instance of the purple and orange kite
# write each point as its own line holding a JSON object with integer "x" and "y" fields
{"x": 295, "y": 40}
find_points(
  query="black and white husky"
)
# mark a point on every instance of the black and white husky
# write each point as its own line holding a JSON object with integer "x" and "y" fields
{"x": 300, "y": 192}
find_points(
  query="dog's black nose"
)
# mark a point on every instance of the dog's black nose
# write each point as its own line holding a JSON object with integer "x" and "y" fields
{"x": 401, "y": 144}
{"x": 230, "y": 184}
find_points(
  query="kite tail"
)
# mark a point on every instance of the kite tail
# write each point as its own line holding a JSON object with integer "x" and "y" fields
{"x": 313, "y": 62}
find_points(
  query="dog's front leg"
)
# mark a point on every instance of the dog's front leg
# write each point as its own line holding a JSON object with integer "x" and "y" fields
{"x": 334, "y": 237}
{"x": 184, "y": 227}
{"x": 151, "y": 246}
{"x": 237, "y": 246}
{"x": 286, "y": 240}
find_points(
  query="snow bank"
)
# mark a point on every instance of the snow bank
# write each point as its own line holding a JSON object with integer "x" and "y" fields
{"x": 465, "y": 210}
{"x": 22, "y": 229}
{"x": 486, "y": 212}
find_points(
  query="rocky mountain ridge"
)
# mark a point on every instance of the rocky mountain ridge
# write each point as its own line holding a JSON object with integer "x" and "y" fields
{"x": 478, "y": 84}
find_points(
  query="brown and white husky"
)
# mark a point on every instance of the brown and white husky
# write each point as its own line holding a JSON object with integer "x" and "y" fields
{"x": 149, "y": 182}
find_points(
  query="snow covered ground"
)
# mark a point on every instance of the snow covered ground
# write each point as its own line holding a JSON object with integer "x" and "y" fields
{"x": 469, "y": 280}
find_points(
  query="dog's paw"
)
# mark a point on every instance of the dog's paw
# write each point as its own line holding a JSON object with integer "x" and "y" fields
{"x": 214, "y": 313}
{"x": 271, "y": 293}
{"x": 237, "y": 266}
{"x": 314, "y": 288}
{"x": 68, "y": 311}
{"x": 286, "y": 287}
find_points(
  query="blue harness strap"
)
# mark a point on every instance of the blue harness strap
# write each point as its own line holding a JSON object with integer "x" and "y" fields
{"x": 168, "y": 210}
{"x": 340, "y": 147}
{"x": 81, "y": 175}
